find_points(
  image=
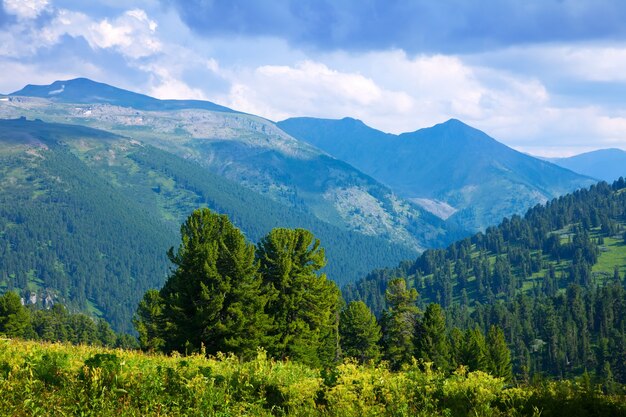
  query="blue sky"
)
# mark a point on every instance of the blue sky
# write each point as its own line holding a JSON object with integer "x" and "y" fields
{"x": 543, "y": 76}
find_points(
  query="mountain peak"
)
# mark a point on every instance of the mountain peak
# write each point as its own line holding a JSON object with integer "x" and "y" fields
{"x": 85, "y": 91}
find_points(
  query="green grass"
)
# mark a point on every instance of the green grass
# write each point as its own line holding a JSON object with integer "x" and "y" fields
{"x": 612, "y": 253}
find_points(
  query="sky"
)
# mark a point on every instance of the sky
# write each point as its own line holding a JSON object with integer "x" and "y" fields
{"x": 547, "y": 77}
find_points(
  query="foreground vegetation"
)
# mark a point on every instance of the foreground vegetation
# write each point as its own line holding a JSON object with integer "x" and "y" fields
{"x": 54, "y": 379}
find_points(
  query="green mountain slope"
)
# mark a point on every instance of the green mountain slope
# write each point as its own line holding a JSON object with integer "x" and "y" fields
{"x": 67, "y": 234}
{"x": 253, "y": 152}
{"x": 604, "y": 164}
{"x": 88, "y": 216}
{"x": 451, "y": 168}
{"x": 554, "y": 280}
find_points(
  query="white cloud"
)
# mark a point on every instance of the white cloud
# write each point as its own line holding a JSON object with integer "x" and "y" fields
{"x": 165, "y": 85}
{"x": 132, "y": 33}
{"x": 25, "y": 9}
{"x": 309, "y": 88}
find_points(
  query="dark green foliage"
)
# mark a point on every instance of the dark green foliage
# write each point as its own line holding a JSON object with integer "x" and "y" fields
{"x": 14, "y": 318}
{"x": 431, "y": 338}
{"x": 498, "y": 354}
{"x": 102, "y": 370}
{"x": 359, "y": 333}
{"x": 82, "y": 208}
{"x": 66, "y": 232}
{"x": 398, "y": 323}
{"x": 303, "y": 304}
{"x": 213, "y": 299}
{"x": 534, "y": 278}
{"x": 56, "y": 324}
{"x": 150, "y": 321}
{"x": 472, "y": 351}
{"x": 51, "y": 368}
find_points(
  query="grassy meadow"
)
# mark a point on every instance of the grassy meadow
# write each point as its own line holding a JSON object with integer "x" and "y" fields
{"x": 43, "y": 379}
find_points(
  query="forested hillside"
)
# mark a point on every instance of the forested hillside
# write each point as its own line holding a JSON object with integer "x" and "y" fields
{"x": 553, "y": 280}
{"x": 69, "y": 236}
{"x": 87, "y": 217}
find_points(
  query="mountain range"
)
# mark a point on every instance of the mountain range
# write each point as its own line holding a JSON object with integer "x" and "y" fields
{"x": 76, "y": 152}
{"x": 454, "y": 170}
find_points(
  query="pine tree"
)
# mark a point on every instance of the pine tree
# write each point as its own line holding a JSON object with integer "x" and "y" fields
{"x": 399, "y": 322}
{"x": 213, "y": 299}
{"x": 431, "y": 339}
{"x": 303, "y": 304}
{"x": 359, "y": 332}
{"x": 473, "y": 351}
{"x": 499, "y": 355}
{"x": 150, "y": 322}
{"x": 14, "y": 317}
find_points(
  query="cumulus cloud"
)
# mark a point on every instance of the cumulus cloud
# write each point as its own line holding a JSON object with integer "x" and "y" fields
{"x": 25, "y": 9}
{"x": 310, "y": 88}
{"x": 388, "y": 90}
{"x": 413, "y": 25}
{"x": 132, "y": 33}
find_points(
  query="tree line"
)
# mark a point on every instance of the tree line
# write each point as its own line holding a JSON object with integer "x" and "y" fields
{"x": 56, "y": 324}
{"x": 228, "y": 295}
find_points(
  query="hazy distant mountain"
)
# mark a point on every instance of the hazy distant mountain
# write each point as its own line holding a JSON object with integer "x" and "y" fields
{"x": 603, "y": 164}
{"x": 83, "y": 90}
{"x": 450, "y": 168}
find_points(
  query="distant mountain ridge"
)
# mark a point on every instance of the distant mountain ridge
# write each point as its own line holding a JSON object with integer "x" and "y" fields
{"x": 603, "y": 164}
{"x": 84, "y": 90}
{"x": 450, "y": 163}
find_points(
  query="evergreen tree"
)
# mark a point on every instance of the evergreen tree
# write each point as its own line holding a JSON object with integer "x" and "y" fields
{"x": 150, "y": 322}
{"x": 473, "y": 353}
{"x": 499, "y": 355}
{"x": 14, "y": 317}
{"x": 399, "y": 322}
{"x": 359, "y": 332}
{"x": 303, "y": 304}
{"x": 105, "y": 335}
{"x": 431, "y": 340}
{"x": 213, "y": 298}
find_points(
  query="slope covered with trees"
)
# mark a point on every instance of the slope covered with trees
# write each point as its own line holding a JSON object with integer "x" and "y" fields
{"x": 553, "y": 280}
{"x": 68, "y": 236}
{"x": 86, "y": 218}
